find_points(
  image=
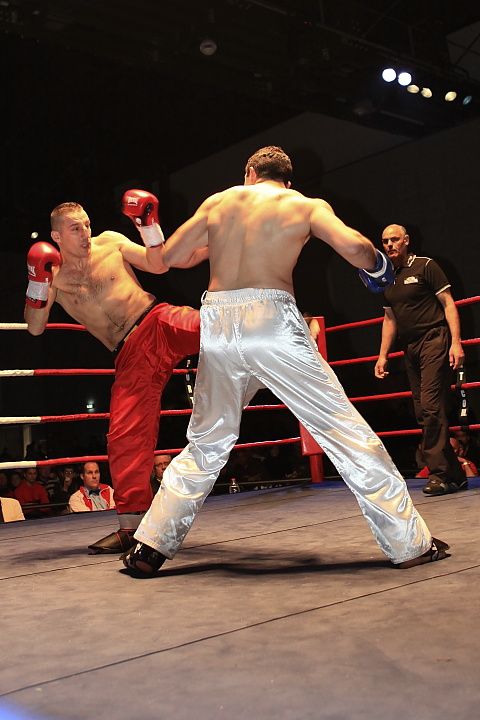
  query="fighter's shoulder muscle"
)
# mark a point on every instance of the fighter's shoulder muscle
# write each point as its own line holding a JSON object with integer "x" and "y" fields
{"x": 110, "y": 237}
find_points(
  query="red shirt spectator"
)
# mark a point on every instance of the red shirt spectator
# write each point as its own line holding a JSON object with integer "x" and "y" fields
{"x": 31, "y": 491}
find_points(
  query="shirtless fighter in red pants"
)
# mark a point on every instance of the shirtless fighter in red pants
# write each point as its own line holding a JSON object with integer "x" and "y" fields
{"x": 93, "y": 280}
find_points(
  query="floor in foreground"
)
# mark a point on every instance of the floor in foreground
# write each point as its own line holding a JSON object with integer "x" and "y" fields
{"x": 280, "y": 605}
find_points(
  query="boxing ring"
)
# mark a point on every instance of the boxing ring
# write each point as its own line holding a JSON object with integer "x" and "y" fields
{"x": 279, "y": 605}
{"x": 308, "y": 446}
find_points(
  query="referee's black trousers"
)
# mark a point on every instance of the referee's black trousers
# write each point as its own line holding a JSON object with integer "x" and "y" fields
{"x": 429, "y": 374}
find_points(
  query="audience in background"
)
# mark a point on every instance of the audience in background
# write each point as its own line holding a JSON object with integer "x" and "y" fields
{"x": 5, "y": 490}
{"x": 30, "y": 494}
{"x": 48, "y": 477}
{"x": 469, "y": 445}
{"x": 469, "y": 468}
{"x": 64, "y": 489}
{"x": 92, "y": 495}
{"x": 160, "y": 464}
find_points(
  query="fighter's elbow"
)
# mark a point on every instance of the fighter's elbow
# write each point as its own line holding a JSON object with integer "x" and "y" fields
{"x": 33, "y": 330}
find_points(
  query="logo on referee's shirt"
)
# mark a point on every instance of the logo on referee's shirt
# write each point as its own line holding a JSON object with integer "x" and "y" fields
{"x": 410, "y": 280}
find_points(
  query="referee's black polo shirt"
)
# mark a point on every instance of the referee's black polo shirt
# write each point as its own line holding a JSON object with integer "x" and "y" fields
{"x": 413, "y": 297}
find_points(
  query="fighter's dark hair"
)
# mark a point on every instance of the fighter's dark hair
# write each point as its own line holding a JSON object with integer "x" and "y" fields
{"x": 271, "y": 163}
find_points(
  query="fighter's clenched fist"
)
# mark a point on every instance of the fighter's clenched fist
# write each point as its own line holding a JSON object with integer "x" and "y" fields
{"x": 142, "y": 209}
{"x": 40, "y": 260}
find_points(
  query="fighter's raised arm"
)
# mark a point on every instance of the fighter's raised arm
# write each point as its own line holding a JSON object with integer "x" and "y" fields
{"x": 43, "y": 262}
{"x": 188, "y": 245}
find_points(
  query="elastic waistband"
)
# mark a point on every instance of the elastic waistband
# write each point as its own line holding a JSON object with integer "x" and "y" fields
{"x": 235, "y": 297}
{"x": 135, "y": 325}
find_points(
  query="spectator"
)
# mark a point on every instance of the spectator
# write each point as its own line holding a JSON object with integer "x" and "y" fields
{"x": 92, "y": 495}
{"x": 313, "y": 325}
{"x": 10, "y": 510}
{"x": 31, "y": 492}
{"x": 34, "y": 451}
{"x": 469, "y": 468}
{"x": 48, "y": 477}
{"x": 15, "y": 480}
{"x": 66, "y": 486}
{"x": 470, "y": 447}
{"x": 160, "y": 464}
{"x": 5, "y": 490}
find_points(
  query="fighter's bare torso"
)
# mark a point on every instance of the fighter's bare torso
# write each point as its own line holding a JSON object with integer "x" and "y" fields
{"x": 101, "y": 291}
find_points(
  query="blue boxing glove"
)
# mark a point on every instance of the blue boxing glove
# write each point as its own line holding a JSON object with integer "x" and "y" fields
{"x": 382, "y": 275}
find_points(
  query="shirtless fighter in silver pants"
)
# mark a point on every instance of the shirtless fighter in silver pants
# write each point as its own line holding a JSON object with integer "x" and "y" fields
{"x": 252, "y": 332}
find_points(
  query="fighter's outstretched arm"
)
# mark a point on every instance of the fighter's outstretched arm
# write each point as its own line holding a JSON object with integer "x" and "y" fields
{"x": 346, "y": 241}
{"x": 188, "y": 245}
{"x": 149, "y": 259}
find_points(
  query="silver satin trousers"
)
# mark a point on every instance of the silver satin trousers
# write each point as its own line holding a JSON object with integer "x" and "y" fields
{"x": 252, "y": 338}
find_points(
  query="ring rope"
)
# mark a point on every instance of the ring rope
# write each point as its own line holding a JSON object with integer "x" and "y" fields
{"x": 45, "y": 372}
{"x": 11, "y": 465}
{"x": 35, "y": 419}
{"x": 105, "y": 416}
{"x": 378, "y": 320}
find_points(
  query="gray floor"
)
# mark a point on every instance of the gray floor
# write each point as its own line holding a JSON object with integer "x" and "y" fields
{"x": 280, "y": 605}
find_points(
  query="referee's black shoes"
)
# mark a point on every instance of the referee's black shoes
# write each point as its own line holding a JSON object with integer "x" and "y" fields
{"x": 440, "y": 487}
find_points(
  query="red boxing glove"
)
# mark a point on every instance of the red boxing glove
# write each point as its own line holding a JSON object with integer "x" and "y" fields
{"x": 142, "y": 209}
{"x": 40, "y": 259}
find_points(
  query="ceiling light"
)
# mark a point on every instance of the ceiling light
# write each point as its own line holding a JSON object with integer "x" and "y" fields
{"x": 467, "y": 100}
{"x": 404, "y": 78}
{"x": 450, "y": 96}
{"x": 413, "y": 89}
{"x": 389, "y": 74}
{"x": 426, "y": 92}
{"x": 208, "y": 46}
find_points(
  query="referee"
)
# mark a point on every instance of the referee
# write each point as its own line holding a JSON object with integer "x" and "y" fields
{"x": 420, "y": 310}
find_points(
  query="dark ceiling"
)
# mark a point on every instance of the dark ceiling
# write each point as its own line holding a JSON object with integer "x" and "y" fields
{"x": 102, "y": 92}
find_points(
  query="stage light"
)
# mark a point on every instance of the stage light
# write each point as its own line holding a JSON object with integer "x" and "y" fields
{"x": 426, "y": 92}
{"x": 34, "y": 235}
{"x": 208, "y": 46}
{"x": 389, "y": 74}
{"x": 467, "y": 100}
{"x": 450, "y": 96}
{"x": 404, "y": 78}
{"x": 90, "y": 405}
{"x": 413, "y": 89}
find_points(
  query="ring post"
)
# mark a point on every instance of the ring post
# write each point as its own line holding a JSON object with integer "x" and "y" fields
{"x": 309, "y": 446}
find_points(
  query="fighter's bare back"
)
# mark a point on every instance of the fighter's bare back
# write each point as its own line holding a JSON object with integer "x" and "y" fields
{"x": 255, "y": 233}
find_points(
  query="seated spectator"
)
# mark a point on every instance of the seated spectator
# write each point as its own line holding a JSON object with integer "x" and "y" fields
{"x": 92, "y": 495}
{"x": 35, "y": 451}
{"x": 64, "y": 489}
{"x": 313, "y": 325}
{"x": 469, "y": 445}
{"x": 15, "y": 480}
{"x": 31, "y": 492}
{"x": 249, "y": 470}
{"x": 48, "y": 477}
{"x": 10, "y": 510}
{"x": 160, "y": 464}
{"x": 468, "y": 466}
{"x": 5, "y": 490}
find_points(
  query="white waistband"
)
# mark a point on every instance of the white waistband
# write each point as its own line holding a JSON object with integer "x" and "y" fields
{"x": 231, "y": 297}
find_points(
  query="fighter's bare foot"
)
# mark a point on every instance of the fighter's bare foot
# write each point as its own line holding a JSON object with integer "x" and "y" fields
{"x": 437, "y": 551}
{"x": 143, "y": 561}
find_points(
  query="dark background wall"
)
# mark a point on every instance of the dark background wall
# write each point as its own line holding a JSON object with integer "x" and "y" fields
{"x": 429, "y": 185}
